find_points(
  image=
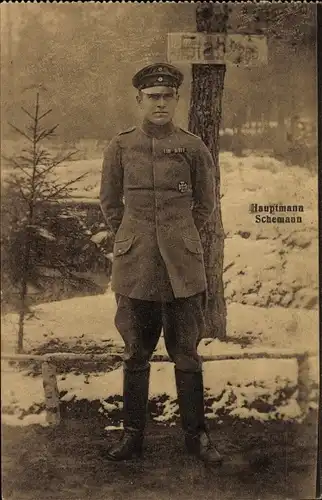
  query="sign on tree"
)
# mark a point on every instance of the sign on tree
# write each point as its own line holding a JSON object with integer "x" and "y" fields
{"x": 217, "y": 48}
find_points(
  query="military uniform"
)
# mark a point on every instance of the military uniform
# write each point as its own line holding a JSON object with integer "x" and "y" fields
{"x": 157, "y": 192}
{"x": 165, "y": 176}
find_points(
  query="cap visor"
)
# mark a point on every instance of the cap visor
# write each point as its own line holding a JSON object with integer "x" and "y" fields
{"x": 157, "y": 90}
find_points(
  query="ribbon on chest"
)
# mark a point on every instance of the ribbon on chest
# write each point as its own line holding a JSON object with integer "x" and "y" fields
{"x": 169, "y": 151}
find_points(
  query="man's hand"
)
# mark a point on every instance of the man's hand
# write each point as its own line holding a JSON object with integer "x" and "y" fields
{"x": 110, "y": 257}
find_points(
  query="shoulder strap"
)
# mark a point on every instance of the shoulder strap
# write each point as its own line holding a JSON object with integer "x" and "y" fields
{"x": 127, "y": 131}
{"x": 188, "y": 132}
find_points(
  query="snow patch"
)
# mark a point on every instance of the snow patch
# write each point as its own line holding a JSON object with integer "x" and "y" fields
{"x": 31, "y": 419}
{"x": 99, "y": 237}
{"x": 238, "y": 388}
{"x": 89, "y": 322}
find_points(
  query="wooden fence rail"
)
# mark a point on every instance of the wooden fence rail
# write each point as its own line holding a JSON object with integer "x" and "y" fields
{"x": 49, "y": 362}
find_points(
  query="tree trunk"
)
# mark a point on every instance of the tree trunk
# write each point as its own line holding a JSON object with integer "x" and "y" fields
{"x": 204, "y": 120}
{"x": 28, "y": 241}
{"x": 21, "y": 322}
{"x": 23, "y": 291}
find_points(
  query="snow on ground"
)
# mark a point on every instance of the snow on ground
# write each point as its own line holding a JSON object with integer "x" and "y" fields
{"x": 89, "y": 322}
{"x": 275, "y": 275}
{"x": 82, "y": 320}
{"x": 283, "y": 267}
{"x": 235, "y": 388}
{"x": 263, "y": 389}
{"x": 271, "y": 291}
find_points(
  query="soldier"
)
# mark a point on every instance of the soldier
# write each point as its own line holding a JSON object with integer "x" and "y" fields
{"x": 157, "y": 192}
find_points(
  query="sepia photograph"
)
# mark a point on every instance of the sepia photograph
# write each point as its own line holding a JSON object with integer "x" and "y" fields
{"x": 159, "y": 251}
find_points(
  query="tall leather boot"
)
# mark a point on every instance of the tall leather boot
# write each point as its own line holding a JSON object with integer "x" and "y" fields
{"x": 191, "y": 405}
{"x": 135, "y": 399}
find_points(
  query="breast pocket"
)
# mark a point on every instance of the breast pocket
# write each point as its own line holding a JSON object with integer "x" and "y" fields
{"x": 121, "y": 247}
{"x": 175, "y": 170}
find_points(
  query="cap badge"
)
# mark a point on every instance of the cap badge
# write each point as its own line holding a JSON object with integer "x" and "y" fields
{"x": 182, "y": 187}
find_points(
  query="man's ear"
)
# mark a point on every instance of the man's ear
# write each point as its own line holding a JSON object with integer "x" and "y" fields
{"x": 139, "y": 98}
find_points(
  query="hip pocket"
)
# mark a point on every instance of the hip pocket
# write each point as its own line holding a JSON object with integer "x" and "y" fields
{"x": 123, "y": 246}
{"x": 193, "y": 246}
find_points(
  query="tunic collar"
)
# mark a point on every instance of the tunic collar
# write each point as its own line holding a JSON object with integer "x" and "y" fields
{"x": 157, "y": 131}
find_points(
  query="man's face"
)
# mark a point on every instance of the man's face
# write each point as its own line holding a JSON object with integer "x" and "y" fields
{"x": 158, "y": 104}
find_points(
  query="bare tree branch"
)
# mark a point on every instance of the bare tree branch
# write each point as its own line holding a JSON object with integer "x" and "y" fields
{"x": 42, "y": 156}
{"x": 60, "y": 159}
{"x": 17, "y": 185}
{"x": 20, "y": 132}
{"x": 16, "y": 164}
{"x": 27, "y": 160}
{"x": 46, "y": 133}
{"x": 27, "y": 112}
{"x": 54, "y": 164}
{"x": 65, "y": 186}
{"x": 27, "y": 150}
{"x": 44, "y": 114}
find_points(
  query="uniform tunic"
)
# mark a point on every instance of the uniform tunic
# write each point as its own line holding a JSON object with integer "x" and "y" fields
{"x": 157, "y": 192}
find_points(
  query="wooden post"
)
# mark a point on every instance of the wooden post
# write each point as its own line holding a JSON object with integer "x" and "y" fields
{"x": 204, "y": 120}
{"x": 303, "y": 382}
{"x": 51, "y": 393}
